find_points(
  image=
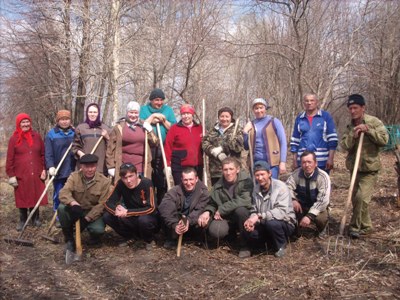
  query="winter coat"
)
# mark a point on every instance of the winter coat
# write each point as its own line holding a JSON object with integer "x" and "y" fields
{"x": 374, "y": 139}
{"x": 91, "y": 196}
{"x": 183, "y": 145}
{"x": 221, "y": 200}
{"x": 312, "y": 193}
{"x": 230, "y": 141}
{"x": 27, "y": 164}
{"x": 139, "y": 201}
{"x": 114, "y": 148}
{"x": 275, "y": 205}
{"x": 57, "y": 142}
{"x": 320, "y": 136}
{"x": 173, "y": 201}
{"x": 86, "y": 138}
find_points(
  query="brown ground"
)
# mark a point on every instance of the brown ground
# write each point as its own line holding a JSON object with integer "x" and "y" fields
{"x": 333, "y": 268}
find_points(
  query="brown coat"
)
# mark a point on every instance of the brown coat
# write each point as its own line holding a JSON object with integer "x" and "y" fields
{"x": 114, "y": 149}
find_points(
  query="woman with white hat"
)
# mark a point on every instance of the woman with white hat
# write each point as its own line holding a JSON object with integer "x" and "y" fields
{"x": 266, "y": 137}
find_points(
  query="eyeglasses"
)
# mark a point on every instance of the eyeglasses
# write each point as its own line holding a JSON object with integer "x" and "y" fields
{"x": 126, "y": 166}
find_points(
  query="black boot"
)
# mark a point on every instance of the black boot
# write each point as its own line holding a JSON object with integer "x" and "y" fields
{"x": 23, "y": 215}
{"x": 69, "y": 239}
{"x": 35, "y": 218}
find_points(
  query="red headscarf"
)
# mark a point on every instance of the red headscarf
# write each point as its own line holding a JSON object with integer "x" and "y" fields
{"x": 23, "y": 134}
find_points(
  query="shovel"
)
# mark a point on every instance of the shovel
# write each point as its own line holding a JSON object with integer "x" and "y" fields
{"x": 47, "y": 236}
{"x": 19, "y": 240}
{"x": 179, "y": 248}
{"x": 70, "y": 256}
{"x": 168, "y": 176}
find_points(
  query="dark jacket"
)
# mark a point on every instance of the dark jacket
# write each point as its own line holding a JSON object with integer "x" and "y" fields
{"x": 173, "y": 202}
{"x": 221, "y": 200}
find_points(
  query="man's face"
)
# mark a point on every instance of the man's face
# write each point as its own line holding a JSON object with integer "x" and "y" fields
{"x": 263, "y": 178}
{"x": 189, "y": 181}
{"x": 356, "y": 111}
{"x": 89, "y": 170}
{"x": 130, "y": 180}
{"x": 157, "y": 103}
{"x": 133, "y": 115}
{"x": 230, "y": 172}
{"x": 308, "y": 164}
{"x": 310, "y": 103}
{"x": 64, "y": 122}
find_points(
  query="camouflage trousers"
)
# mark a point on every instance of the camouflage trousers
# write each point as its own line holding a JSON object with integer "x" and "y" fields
{"x": 362, "y": 194}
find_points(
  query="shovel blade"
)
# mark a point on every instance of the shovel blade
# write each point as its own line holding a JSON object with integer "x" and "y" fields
{"x": 19, "y": 242}
{"x": 71, "y": 257}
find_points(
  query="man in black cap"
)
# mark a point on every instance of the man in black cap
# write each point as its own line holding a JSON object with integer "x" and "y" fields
{"x": 157, "y": 112}
{"x": 82, "y": 198}
{"x": 375, "y": 137}
{"x": 272, "y": 220}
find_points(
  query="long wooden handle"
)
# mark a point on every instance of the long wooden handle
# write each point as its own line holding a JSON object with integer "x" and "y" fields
{"x": 203, "y": 117}
{"x": 53, "y": 220}
{"x": 353, "y": 180}
{"x": 146, "y": 153}
{"x": 78, "y": 241}
{"x": 167, "y": 175}
{"x": 97, "y": 144}
{"x": 179, "y": 248}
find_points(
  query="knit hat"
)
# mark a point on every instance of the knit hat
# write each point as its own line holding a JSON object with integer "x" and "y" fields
{"x": 261, "y": 166}
{"x": 187, "y": 108}
{"x": 133, "y": 105}
{"x": 261, "y": 101}
{"x": 63, "y": 114}
{"x": 355, "y": 99}
{"x": 88, "y": 159}
{"x": 156, "y": 93}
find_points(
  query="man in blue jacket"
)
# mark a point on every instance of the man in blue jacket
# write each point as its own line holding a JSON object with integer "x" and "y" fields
{"x": 57, "y": 142}
{"x": 314, "y": 130}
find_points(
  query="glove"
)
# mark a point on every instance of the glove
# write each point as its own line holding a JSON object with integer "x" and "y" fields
{"x": 216, "y": 151}
{"x": 52, "y": 171}
{"x": 147, "y": 127}
{"x": 111, "y": 172}
{"x": 221, "y": 156}
{"x": 76, "y": 212}
{"x": 13, "y": 181}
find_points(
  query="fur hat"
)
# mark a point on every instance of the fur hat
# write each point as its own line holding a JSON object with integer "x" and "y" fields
{"x": 63, "y": 114}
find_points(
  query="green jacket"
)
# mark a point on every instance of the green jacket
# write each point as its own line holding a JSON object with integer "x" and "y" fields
{"x": 221, "y": 201}
{"x": 374, "y": 139}
{"x": 91, "y": 196}
{"x": 230, "y": 141}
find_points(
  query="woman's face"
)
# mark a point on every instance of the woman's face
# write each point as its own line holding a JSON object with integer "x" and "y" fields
{"x": 133, "y": 115}
{"x": 93, "y": 112}
{"x": 225, "y": 119}
{"x": 187, "y": 119}
{"x": 259, "y": 111}
{"x": 25, "y": 125}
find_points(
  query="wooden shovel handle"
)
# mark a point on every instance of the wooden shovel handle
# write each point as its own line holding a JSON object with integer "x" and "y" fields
{"x": 78, "y": 241}
{"x": 179, "y": 248}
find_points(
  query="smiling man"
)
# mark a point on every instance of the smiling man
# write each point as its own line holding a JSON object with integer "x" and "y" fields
{"x": 82, "y": 198}
{"x": 186, "y": 199}
{"x": 131, "y": 209}
{"x": 375, "y": 138}
{"x": 230, "y": 202}
{"x": 310, "y": 189}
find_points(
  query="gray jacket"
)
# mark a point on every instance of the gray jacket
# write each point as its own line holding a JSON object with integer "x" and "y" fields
{"x": 276, "y": 204}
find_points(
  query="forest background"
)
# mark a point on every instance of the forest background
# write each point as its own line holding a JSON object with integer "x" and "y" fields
{"x": 65, "y": 54}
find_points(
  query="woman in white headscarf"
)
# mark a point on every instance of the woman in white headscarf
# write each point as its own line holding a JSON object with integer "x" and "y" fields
{"x": 128, "y": 142}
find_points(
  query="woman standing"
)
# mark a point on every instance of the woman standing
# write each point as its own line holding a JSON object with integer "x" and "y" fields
{"x": 267, "y": 138}
{"x": 128, "y": 142}
{"x": 183, "y": 145}
{"x": 88, "y": 133}
{"x": 25, "y": 168}
{"x": 224, "y": 139}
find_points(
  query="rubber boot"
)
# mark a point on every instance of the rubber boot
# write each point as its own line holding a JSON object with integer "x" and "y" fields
{"x": 23, "y": 215}
{"x": 35, "y": 218}
{"x": 69, "y": 239}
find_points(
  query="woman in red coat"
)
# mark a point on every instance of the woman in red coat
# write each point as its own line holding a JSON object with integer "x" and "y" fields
{"x": 25, "y": 168}
{"x": 183, "y": 145}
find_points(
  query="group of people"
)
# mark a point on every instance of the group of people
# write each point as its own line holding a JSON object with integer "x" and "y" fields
{"x": 122, "y": 173}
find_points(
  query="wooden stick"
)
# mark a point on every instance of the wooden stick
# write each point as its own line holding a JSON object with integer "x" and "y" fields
{"x": 353, "y": 180}
{"x": 146, "y": 153}
{"x": 78, "y": 241}
{"x": 97, "y": 144}
{"x": 167, "y": 175}
{"x": 203, "y": 117}
{"x": 179, "y": 248}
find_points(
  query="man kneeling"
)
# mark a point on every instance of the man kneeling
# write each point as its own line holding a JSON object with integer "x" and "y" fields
{"x": 130, "y": 209}
{"x": 187, "y": 199}
{"x": 272, "y": 220}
